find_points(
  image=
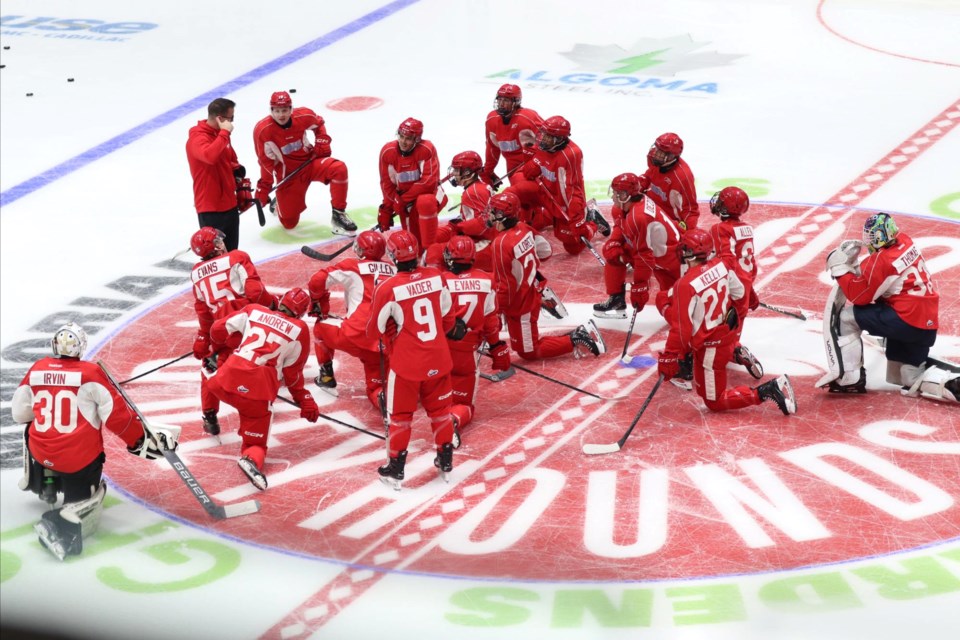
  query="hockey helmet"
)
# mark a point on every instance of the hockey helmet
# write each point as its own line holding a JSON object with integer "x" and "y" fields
{"x": 70, "y": 341}
{"x": 295, "y": 302}
{"x": 369, "y": 245}
{"x": 403, "y": 246}
{"x": 729, "y": 202}
{"x": 208, "y": 242}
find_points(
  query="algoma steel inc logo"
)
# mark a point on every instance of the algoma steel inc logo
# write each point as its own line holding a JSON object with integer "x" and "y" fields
{"x": 650, "y": 64}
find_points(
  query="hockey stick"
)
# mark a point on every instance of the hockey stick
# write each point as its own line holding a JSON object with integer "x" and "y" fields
{"x": 595, "y": 449}
{"x": 334, "y": 420}
{"x": 310, "y": 252}
{"x": 792, "y": 314}
{"x": 219, "y": 512}
{"x": 562, "y": 384}
{"x": 626, "y": 341}
{"x": 165, "y": 364}
{"x": 262, "y": 219}
{"x": 498, "y": 376}
{"x": 596, "y": 254}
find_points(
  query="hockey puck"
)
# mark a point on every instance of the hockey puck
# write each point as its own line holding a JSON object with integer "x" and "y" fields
{"x": 6, "y": 47}
{"x": 293, "y": 90}
{"x": 29, "y": 95}
{"x": 69, "y": 79}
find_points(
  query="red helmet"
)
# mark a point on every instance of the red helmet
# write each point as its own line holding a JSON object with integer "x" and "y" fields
{"x": 280, "y": 99}
{"x": 556, "y": 126}
{"x": 459, "y": 249}
{"x": 296, "y": 301}
{"x": 729, "y": 202}
{"x": 204, "y": 242}
{"x": 411, "y": 127}
{"x": 505, "y": 205}
{"x": 468, "y": 160}
{"x": 369, "y": 245}
{"x": 403, "y": 246}
{"x": 669, "y": 143}
{"x": 628, "y": 183}
{"x": 511, "y": 91}
{"x": 695, "y": 244}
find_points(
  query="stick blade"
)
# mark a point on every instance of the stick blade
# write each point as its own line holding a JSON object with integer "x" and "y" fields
{"x": 498, "y": 376}
{"x": 599, "y": 449}
{"x": 239, "y": 509}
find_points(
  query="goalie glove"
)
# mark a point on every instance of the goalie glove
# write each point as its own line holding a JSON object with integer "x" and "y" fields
{"x": 843, "y": 259}
{"x": 155, "y": 440}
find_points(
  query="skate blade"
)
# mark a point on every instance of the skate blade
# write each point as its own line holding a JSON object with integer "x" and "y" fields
{"x": 393, "y": 483}
{"x": 330, "y": 390}
{"x": 616, "y": 315}
{"x": 444, "y": 475}
{"x": 339, "y": 231}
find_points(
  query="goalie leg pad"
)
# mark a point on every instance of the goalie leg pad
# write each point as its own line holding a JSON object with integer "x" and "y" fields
{"x": 86, "y": 514}
{"x": 842, "y": 342}
{"x": 62, "y": 531}
{"x": 936, "y": 384}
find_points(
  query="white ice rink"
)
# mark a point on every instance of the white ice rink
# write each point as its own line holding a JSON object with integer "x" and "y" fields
{"x": 795, "y": 98}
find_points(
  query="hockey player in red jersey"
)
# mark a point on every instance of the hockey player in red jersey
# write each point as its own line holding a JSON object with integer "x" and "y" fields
{"x": 465, "y": 172}
{"x": 671, "y": 181}
{"x": 223, "y": 282}
{"x": 733, "y": 240}
{"x": 358, "y": 277}
{"x": 555, "y": 185}
{"x": 517, "y": 253}
{"x": 703, "y": 321}
{"x": 892, "y": 295}
{"x": 644, "y": 237}
{"x": 285, "y": 140}
{"x": 511, "y": 131}
{"x": 410, "y": 183}
{"x": 411, "y": 313}
{"x": 270, "y": 347}
{"x": 474, "y": 294}
{"x": 68, "y": 404}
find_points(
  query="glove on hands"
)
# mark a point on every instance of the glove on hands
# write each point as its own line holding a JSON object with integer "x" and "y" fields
{"x": 201, "y": 346}
{"x": 668, "y": 364}
{"x": 308, "y": 408}
{"x": 639, "y": 294}
{"x": 500, "y": 354}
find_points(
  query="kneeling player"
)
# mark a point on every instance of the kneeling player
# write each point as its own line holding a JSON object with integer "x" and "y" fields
{"x": 67, "y": 402}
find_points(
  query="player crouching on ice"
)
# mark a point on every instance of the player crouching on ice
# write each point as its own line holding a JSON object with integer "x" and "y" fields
{"x": 892, "y": 295}
{"x": 67, "y": 402}
{"x": 704, "y": 321}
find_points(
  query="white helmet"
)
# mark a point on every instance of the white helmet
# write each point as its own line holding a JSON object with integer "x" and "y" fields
{"x": 69, "y": 341}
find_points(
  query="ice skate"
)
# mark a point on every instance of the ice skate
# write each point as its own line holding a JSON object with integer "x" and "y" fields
{"x": 743, "y": 357}
{"x": 550, "y": 303}
{"x": 256, "y": 476}
{"x": 780, "y": 391}
{"x": 341, "y": 224}
{"x": 588, "y": 336}
{"x": 273, "y": 207}
{"x": 326, "y": 381}
{"x": 594, "y": 215}
{"x": 444, "y": 461}
{"x": 211, "y": 424}
{"x": 391, "y": 474}
{"x": 858, "y": 387}
{"x": 612, "y": 308}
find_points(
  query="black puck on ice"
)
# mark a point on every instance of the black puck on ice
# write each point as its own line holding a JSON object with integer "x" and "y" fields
{"x": 69, "y": 79}
{"x": 29, "y": 95}
{"x": 293, "y": 90}
{"x": 6, "y": 47}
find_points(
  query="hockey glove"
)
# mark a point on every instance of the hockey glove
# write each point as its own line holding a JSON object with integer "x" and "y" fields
{"x": 210, "y": 363}
{"x": 263, "y": 195}
{"x": 531, "y": 170}
{"x": 754, "y": 302}
{"x": 839, "y": 263}
{"x": 668, "y": 364}
{"x": 385, "y": 217}
{"x": 495, "y": 181}
{"x": 244, "y": 194}
{"x": 201, "y": 346}
{"x": 500, "y": 354}
{"x": 154, "y": 441}
{"x": 613, "y": 250}
{"x": 239, "y": 172}
{"x": 458, "y": 331}
{"x": 308, "y": 408}
{"x": 639, "y": 294}
{"x": 732, "y": 319}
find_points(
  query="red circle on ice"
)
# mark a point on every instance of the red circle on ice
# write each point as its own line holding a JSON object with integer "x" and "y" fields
{"x": 355, "y": 103}
{"x": 692, "y": 494}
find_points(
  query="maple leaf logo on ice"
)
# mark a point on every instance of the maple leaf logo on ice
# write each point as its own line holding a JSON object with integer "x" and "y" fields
{"x": 668, "y": 55}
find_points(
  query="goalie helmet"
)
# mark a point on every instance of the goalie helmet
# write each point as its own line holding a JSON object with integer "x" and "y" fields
{"x": 459, "y": 250}
{"x": 554, "y": 133}
{"x": 665, "y": 149}
{"x": 507, "y": 100}
{"x": 70, "y": 341}
{"x": 464, "y": 165}
{"x": 296, "y": 301}
{"x": 503, "y": 206}
{"x": 208, "y": 242}
{"x": 369, "y": 245}
{"x": 281, "y": 99}
{"x": 880, "y": 231}
{"x": 695, "y": 244}
{"x": 729, "y": 202}
{"x": 403, "y": 246}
